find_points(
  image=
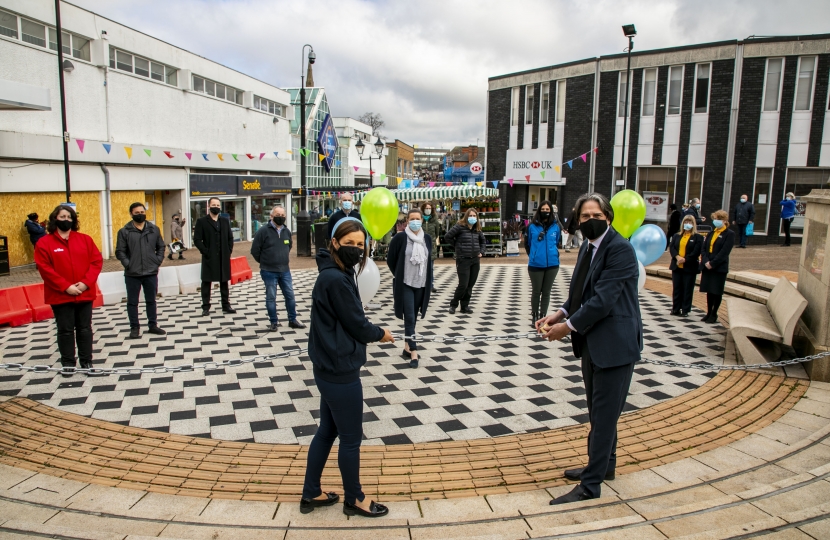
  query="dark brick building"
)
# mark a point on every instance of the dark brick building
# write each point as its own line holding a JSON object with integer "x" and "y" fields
{"x": 713, "y": 121}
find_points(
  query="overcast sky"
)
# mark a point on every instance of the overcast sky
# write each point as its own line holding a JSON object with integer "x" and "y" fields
{"x": 423, "y": 65}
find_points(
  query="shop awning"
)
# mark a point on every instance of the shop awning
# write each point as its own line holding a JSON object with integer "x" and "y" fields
{"x": 438, "y": 193}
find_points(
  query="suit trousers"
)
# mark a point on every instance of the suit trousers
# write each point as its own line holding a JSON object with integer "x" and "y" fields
{"x": 606, "y": 390}
{"x": 683, "y": 289}
{"x": 223, "y": 291}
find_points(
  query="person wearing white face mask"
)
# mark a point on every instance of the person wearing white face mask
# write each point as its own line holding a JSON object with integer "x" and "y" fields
{"x": 468, "y": 244}
{"x": 346, "y": 209}
{"x": 684, "y": 247}
{"x": 743, "y": 214}
{"x": 409, "y": 259}
{"x": 788, "y": 210}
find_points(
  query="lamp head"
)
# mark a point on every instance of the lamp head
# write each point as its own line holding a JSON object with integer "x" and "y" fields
{"x": 629, "y": 30}
{"x": 311, "y": 56}
{"x": 379, "y": 146}
{"x": 360, "y": 147}
{"x": 68, "y": 66}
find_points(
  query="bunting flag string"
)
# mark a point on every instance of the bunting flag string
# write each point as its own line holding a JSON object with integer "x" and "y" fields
{"x": 261, "y": 155}
{"x": 81, "y": 144}
{"x": 234, "y": 157}
{"x": 542, "y": 172}
{"x": 495, "y": 184}
{"x": 205, "y": 156}
{"x": 107, "y": 147}
{"x": 129, "y": 151}
{"x": 148, "y": 152}
{"x": 168, "y": 154}
{"x": 220, "y": 157}
{"x": 188, "y": 155}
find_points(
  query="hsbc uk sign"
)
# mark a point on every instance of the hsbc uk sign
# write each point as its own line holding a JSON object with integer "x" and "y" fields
{"x": 537, "y": 163}
{"x": 534, "y": 165}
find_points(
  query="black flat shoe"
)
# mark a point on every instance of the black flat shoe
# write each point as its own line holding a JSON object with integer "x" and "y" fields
{"x": 295, "y": 324}
{"x": 229, "y": 311}
{"x": 375, "y": 510}
{"x": 674, "y": 312}
{"x": 466, "y": 310}
{"x": 407, "y": 355}
{"x": 576, "y": 474}
{"x": 308, "y": 505}
{"x": 452, "y": 310}
{"x": 575, "y": 495}
{"x": 413, "y": 363}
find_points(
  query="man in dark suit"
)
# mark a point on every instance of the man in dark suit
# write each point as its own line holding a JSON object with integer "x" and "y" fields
{"x": 602, "y": 314}
{"x": 214, "y": 240}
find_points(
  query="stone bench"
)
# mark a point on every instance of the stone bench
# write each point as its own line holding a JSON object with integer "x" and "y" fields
{"x": 757, "y": 331}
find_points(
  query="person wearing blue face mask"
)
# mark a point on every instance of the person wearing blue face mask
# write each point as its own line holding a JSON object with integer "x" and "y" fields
{"x": 468, "y": 244}
{"x": 788, "y": 211}
{"x": 684, "y": 247}
{"x": 409, "y": 259}
{"x": 346, "y": 210}
{"x": 714, "y": 263}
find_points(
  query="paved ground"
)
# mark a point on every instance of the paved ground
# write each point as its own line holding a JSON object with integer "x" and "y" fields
{"x": 460, "y": 391}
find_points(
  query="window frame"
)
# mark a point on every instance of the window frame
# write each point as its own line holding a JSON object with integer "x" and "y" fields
{"x": 689, "y": 182}
{"x": 780, "y": 84}
{"x": 621, "y": 102}
{"x": 682, "y": 69}
{"x": 754, "y": 198}
{"x": 166, "y": 70}
{"x": 561, "y": 96}
{"x": 68, "y": 44}
{"x": 544, "y": 103}
{"x": 653, "y": 93}
{"x": 206, "y": 83}
{"x": 639, "y": 188}
{"x": 708, "y": 88}
{"x": 268, "y": 109}
{"x": 515, "y": 95}
{"x": 529, "y": 105}
{"x": 812, "y": 83}
{"x": 16, "y": 25}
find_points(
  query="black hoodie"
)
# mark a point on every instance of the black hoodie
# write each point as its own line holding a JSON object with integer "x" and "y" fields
{"x": 339, "y": 330}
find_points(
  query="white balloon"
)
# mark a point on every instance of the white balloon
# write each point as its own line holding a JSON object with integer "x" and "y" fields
{"x": 641, "y": 280}
{"x": 368, "y": 281}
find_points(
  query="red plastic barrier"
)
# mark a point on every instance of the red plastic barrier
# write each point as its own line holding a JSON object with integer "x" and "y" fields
{"x": 240, "y": 271}
{"x": 40, "y": 309}
{"x": 99, "y": 298}
{"x": 14, "y": 307}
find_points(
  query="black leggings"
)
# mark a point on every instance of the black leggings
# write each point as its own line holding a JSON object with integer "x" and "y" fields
{"x": 713, "y": 303}
{"x": 786, "y": 222}
{"x": 541, "y": 279}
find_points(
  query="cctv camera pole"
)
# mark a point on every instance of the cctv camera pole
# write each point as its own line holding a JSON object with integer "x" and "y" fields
{"x": 63, "y": 98}
{"x": 623, "y": 172}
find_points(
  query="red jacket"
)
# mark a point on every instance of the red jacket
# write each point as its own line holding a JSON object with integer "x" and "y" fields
{"x": 62, "y": 263}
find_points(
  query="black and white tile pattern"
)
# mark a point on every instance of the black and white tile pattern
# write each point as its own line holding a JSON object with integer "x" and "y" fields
{"x": 460, "y": 391}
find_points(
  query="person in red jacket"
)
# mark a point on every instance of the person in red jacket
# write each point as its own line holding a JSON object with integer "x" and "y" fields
{"x": 69, "y": 263}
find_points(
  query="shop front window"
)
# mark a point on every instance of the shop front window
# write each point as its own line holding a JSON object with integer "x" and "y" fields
{"x": 659, "y": 179}
{"x": 232, "y": 209}
{"x": 801, "y": 182}
{"x": 261, "y": 210}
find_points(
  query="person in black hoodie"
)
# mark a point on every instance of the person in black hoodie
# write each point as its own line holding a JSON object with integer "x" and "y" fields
{"x": 337, "y": 338}
{"x": 468, "y": 243}
{"x": 36, "y": 230}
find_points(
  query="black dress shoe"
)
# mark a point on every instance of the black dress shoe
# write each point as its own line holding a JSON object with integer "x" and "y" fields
{"x": 684, "y": 313}
{"x": 713, "y": 319}
{"x": 675, "y": 312}
{"x": 705, "y": 318}
{"x": 273, "y": 327}
{"x": 413, "y": 363}
{"x": 229, "y": 310}
{"x": 135, "y": 333}
{"x": 308, "y": 505}
{"x": 67, "y": 371}
{"x": 157, "y": 331}
{"x": 575, "y": 495}
{"x": 205, "y": 313}
{"x": 375, "y": 510}
{"x": 295, "y": 324}
{"x": 466, "y": 310}
{"x": 576, "y": 474}
{"x": 452, "y": 310}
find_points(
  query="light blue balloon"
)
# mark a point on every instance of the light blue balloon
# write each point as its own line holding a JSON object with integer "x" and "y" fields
{"x": 649, "y": 243}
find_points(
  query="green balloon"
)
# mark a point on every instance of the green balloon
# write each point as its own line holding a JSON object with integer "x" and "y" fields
{"x": 629, "y": 212}
{"x": 379, "y": 211}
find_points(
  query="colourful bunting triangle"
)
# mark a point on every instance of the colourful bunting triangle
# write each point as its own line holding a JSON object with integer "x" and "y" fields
{"x": 432, "y": 184}
{"x": 205, "y": 156}
{"x": 448, "y": 183}
{"x": 234, "y": 157}
{"x": 583, "y": 157}
{"x": 129, "y": 152}
{"x": 276, "y": 154}
{"x": 338, "y": 163}
{"x": 262, "y": 154}
{"x": 495, "y": 185}
{"x": 542, "y": 173}
{"x": 355, "y": 168}
{"x": 321, "y": 156}
{"x": 382, "y": 177}
{"x": 107, "y": 147}
{"x": 289, "y": 152}
{"x": 557, "y": 169}
{"x": 188, "y": 155}
{"x": 250, "y": 156}
{"x": 81, "y": 144}
{"x": 596, "y": 150}
{"x": 571, "y": 164}
{"x": 510, "y": 181}
{"x": 527, "y": 177}
{"x": 168, "y": 154}
{"x": 220, "y": 157}
{"x": 478, "y": 184}
{"x": 148, "y": 152}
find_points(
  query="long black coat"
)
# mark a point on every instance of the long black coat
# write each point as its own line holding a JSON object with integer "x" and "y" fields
{"x": 396, "y": 261}
{"x": 215, "y": 246}
{"x": 719, "y": 258}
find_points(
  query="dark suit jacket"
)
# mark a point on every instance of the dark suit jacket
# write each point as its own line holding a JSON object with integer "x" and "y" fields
{"x": 693, "y": 248}
{"x": 215, "y": 246}
{"x": 719, "y": 258}
{"x": 609, "y": 320}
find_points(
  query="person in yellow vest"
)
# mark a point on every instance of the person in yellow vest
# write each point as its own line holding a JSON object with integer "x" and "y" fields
{"x": 684, "y": 247}
{"x": 714, "y": 263}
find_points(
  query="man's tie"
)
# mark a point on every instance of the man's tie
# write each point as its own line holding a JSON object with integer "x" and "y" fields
{"x": 579, "y": 279}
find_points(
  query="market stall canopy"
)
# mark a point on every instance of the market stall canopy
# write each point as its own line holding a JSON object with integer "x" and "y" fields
{"x": 438, "y": 192}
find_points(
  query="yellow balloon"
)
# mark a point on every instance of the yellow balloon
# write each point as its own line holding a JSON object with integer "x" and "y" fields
{"x": 629, "y": 212}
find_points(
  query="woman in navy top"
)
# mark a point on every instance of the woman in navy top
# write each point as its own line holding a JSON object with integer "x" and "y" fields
{"x": 787, "y": 215}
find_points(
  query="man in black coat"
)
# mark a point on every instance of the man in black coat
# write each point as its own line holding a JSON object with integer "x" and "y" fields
{"x": 694, "y": 211}
{"x": 602, "y": 315}
{"x": 214, "y": 240}
{"x": 140, "y": 248}
{"x": 346, "y": 210}
{"x": 743, "y": 213}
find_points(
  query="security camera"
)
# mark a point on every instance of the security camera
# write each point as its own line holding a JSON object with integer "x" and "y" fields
{"x": 311, "y": 56}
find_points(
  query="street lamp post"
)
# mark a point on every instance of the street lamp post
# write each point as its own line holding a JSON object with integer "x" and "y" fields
{"x": 630, "y": 32}
{"x": 378, "y": 149}
{"x": 303, "y": 218}
{"x": 61, "y": 68}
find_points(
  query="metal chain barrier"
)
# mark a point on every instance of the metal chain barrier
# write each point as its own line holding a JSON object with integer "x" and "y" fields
{"x": 188, "y": 368}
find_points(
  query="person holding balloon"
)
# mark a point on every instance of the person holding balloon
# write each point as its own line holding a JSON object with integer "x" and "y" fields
{"x": 338, "y": 335}
{"x": 469, "y": 244}
{"x": 685, "y": 248}
{"x": 714, "y": 263}
{"x": 410, "y": 261}
{"x": 541, "y": 241}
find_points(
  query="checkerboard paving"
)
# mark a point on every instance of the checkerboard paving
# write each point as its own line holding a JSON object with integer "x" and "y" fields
{"x": 460, "y": 391}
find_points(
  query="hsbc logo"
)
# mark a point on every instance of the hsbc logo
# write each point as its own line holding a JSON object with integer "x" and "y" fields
{"x": 544, "y": 165}
{"x": 656, "y": 200}
{"x": 476, "y": 168}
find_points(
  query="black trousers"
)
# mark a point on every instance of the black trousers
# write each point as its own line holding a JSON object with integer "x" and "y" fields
{"x": 74, "y": 323}
{"x": 787, "y": 222}
{"x": 412, "y": 300}
{"x": 683, "y": 290}
{"x": 150, "y": 284}
{"x": 223, "y": 291}
{"x": 606, "y": 390}
{"x": 467, "y": 276}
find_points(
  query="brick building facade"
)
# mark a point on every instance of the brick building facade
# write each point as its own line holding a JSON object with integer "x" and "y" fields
{"x": 713, "y": 121}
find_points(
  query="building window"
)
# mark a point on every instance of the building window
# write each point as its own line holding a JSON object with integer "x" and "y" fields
{"x": 695, "y": 190}
{"x": 649, "y": 91}
{"x": 544, "y": 104}
{"x": 772, "y": 84}
{"x": 659, "y": 179}
{"x": 73, "y": 45}
{"x": 801, "y": 182}
{"x": 215, "y": 89}
{"x": 529, "y": 104}
{"x": 675, "y": 89}
{"x": 702, "y": 89}
{"x": 619, "y": 179}
{"x": 761, "y": 198}
{"x": 8, "y": 25}
{"x": 276, "y": 109}
{"x": 804, "y": 86}
{"x": 560, "y": 101}
{"x": 623, "y": 92}
{"x": 142, "y": 67}
{"x": 514, "y": 109}
{"x": 33, "y": 32}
